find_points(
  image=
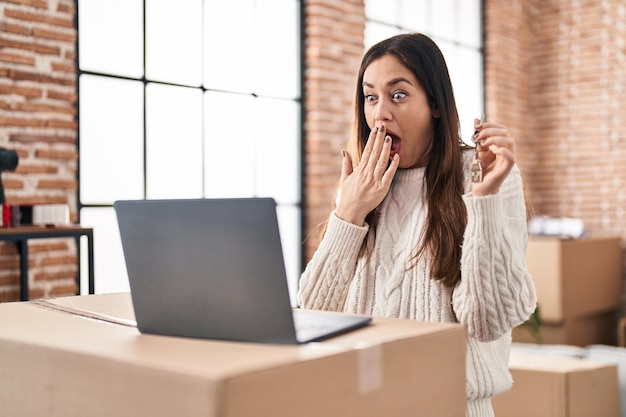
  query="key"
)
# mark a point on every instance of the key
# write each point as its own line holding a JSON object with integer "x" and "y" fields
{"x": 476, "y": 171}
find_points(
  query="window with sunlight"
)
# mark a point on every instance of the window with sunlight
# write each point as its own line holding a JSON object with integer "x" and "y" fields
{"x": 187, "y": 99}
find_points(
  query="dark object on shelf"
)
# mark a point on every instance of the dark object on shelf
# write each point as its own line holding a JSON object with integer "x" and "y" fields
{"x": 8, "y": 161}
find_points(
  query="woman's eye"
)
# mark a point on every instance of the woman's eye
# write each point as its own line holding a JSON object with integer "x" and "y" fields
{"x": 399, "y": 95}
{"x": 369, "y": 97}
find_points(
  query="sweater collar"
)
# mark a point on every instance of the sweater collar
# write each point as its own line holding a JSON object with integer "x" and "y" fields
{"x": 410, "y": 175}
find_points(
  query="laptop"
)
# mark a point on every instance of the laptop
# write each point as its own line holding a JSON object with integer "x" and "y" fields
{"x": 214, "y": 269}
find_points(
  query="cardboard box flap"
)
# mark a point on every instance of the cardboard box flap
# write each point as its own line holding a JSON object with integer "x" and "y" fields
{"x": 114, "y": 306}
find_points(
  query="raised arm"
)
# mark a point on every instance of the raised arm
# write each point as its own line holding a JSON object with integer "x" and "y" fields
{"x": 496, "y": 292}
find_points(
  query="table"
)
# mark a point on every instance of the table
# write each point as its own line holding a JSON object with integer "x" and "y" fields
{"x": 21, "y": 234}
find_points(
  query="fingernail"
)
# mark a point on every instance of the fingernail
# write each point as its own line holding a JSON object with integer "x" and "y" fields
{"x": 387, "y": 139}
{"x": 343, "y": 153}
{"x": 382, "y": 128}
{"x": 375, "y": 129}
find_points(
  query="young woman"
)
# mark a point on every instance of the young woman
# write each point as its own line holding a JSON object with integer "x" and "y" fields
{"x": 412, "y": 236}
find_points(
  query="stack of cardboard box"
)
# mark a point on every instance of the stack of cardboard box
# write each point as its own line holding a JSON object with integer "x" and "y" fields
{"x": 550, "y": 386}
{"x": 579, "y": 289}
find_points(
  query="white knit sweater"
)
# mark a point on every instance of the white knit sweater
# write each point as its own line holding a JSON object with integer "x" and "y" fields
{"x": 495, "y": 294}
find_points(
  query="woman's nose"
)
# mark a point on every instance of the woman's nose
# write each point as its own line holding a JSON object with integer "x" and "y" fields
{"x": 383, "y": 113}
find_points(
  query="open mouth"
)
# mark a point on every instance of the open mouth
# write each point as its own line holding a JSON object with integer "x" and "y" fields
{"x": 395, "y": 144}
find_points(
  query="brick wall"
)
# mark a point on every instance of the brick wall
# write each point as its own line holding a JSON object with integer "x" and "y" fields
{"x": 556, "y": 75}
{"x": 333, "y": 50}
{"x": 509, "y": 72}
{"x": 38, "y": 120}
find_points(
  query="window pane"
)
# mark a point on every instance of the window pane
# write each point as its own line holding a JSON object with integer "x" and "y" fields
{"x": 174, "y": 41}
{"x": 465, "y": 69}
{"x": 415, "y": 15}
{"x": 173, "y": 142}
{"x": 109, "y": 267}
{"x": 111, "y": 139}
{"x": 277, "y": 156}
{"x": 277, "y": 43}
{"x": 375, "y": 32}
{"x": 382, "y": 10}
{"x": 444, "y": 20}
{"x": 110, "y": 37}
{"x": 228, "y": 45}
{"x": 470, "y": 23}
{"x": 289, "y": 223}
{"x": 229, "y": 145}
{"x": 468, "y": 86}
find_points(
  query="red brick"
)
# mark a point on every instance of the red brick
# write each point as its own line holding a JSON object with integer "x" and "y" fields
{"x": 17, "y": 58}
{"x": 38, "y": 4}
{"x": 20, "y": 75}
{"x": 9, "y": 294}
{"x": 56, "y": 260}
{"x": 31, "y": 138}
{"x": 30, "y": 46}
{"x": 25, "y": 168}
{"x": 66, "y": 36}
{"x": 33, "y": 107}
{"x": 63, "y": 124}
{"x": 47, "y": 245}
{"x": 31, "y": 92}
{"x": 21, "y": 121}
{"x": 63, "y": 290}
{"x": 64, "y": 275}
{"x": 68, "y": 67}
{"x": 67, "y": 7}
{"x": 36, "y": 293}
{"x": 10, "y": 279}
{"x": 14, "y": 28}
{"x": 63, "y": 184}
{"x": 27, "y": 16}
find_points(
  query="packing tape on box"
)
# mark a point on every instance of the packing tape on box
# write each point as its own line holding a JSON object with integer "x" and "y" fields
{"x": 369, "y": 367}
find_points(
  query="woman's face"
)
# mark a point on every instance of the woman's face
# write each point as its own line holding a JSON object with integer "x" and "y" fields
{"x": 394, "y": 98}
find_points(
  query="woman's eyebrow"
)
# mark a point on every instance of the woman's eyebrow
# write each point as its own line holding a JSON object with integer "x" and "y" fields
{"x": 390, "y": 83}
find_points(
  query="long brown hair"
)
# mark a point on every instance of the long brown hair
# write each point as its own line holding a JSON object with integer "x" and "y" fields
{"x": 447, "y": 216}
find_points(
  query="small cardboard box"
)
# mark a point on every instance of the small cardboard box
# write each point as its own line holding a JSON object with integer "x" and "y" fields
{"x": 559, "y": 387}
{"x": 596, "y": 329}
{"x": 575, "y": 277}
{"x": 75, "y": 358}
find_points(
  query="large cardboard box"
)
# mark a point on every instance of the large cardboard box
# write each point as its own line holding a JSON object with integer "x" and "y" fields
{"x": 580, "y": 331}
{"x": 575, "y": 277}
{"x": 559, "y": 387}
{"x": 75, "y": 357}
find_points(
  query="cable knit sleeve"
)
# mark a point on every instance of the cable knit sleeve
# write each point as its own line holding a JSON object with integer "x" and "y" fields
{"x": 496, "y": 292}
{"x": 325, "y": 281}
